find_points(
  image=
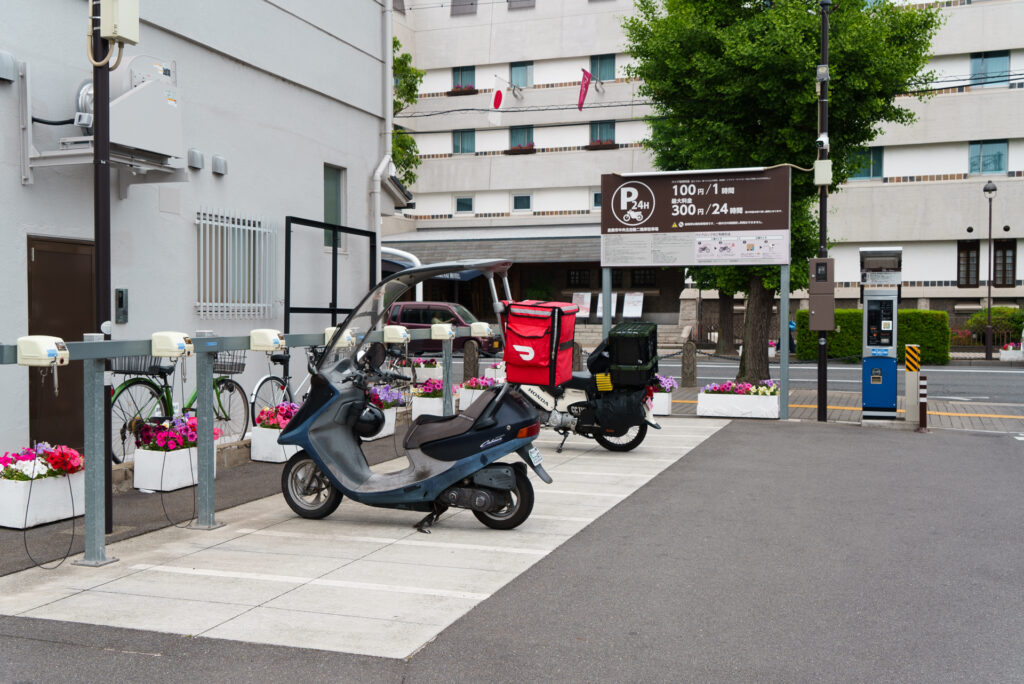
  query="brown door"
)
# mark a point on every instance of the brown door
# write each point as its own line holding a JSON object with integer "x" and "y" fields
{"x": 60, "y": 303}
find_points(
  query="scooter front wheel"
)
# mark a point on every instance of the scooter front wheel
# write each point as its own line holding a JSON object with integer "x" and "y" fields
{"x": 307, "y": 490}
{"x": 628, "y": 440}
{"x": 516, "y": 513}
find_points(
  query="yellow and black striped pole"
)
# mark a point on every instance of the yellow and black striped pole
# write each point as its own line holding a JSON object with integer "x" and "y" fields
{"x": 913, "y": 358}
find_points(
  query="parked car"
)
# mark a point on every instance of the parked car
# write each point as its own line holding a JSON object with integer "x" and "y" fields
{"x": 417, "y": 315}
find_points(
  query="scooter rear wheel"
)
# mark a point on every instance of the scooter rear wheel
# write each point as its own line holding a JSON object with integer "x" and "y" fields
{"x": 628, "y": 440}
{"x": 516, "y": 513}
{"x": 307, "y": 490}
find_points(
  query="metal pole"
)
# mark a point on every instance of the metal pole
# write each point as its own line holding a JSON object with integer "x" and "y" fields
{"x": 446, "y": 373}
{"x": 784, "y": 342}
{"x": 97, "y": 457}
{"x": 823, "y": 212}
{"x": 206, "y": 352}
{"x": 988, "y": 325}
{"x": 606, "y": 302}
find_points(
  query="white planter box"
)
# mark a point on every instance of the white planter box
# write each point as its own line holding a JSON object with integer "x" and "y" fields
{"x": 51, "y": 500}
{"x": 424, "y": 374}
{"x": 662, "y": 404}
{"x": 263, "y": 446}
{"x": 390, "y": 416}
{"x": 496, "y": 373}
{"x": 431, "y": 406}
{"x": 467, "y": 397}
{"x": 165, "y": 471}
{"x": 771, "y": 352}
{"x": 737, "y": 405}
{"x": 1011, "y": 354}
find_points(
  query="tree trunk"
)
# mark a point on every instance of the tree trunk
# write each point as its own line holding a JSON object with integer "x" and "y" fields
{"x": 754, "y": 361}
{"x": 726, "y": 330}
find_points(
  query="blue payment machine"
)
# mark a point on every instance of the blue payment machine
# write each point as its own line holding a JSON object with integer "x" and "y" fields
{"x": 881, "y": 277}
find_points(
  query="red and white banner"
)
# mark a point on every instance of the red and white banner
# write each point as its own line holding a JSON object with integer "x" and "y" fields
{"x": 584, "y": 86}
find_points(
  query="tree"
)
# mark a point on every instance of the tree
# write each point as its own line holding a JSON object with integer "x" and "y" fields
{"x": 404, "y": 151}
{"x": 731, "y": 84}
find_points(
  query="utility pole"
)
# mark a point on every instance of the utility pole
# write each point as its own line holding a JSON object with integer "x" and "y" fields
{"x": 101, "y": 212}
{"x": 826, "y": 6}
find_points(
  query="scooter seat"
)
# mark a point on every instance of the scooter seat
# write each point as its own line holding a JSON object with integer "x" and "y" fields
{"x": 432, "y": 428}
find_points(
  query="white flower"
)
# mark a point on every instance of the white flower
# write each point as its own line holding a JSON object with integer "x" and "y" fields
{"x": 33, "y": 469}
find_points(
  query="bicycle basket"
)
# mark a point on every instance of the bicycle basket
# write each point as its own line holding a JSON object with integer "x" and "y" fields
{"x": 138, "y": 365}
{"x": 229, "y": 362}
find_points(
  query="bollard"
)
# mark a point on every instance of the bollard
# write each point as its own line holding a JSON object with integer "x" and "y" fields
{"x": 470, "y": 360}
{"x": 577, "y": 356}
{"x": 923, "y": 405}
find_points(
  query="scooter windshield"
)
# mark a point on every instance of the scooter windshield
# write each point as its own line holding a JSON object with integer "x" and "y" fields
{"x": 366, "y": 324}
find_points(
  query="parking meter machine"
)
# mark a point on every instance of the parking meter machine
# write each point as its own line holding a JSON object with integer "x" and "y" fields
{"x": 881, "y": 276}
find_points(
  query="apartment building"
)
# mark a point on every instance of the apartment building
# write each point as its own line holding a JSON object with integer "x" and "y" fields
{"x": 523, "y": 183}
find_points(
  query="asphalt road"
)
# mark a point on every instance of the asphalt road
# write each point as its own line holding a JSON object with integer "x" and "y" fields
{"x": 774, "y": 552}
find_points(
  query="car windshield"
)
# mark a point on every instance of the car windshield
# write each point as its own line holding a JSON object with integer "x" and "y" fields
{"x": 464, "y": 314}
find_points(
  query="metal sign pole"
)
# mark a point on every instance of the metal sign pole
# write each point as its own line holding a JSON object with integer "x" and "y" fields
{"x": 784, "y": 342}
{"x": 97, "y": 456}
{"x": 206, "y": 352}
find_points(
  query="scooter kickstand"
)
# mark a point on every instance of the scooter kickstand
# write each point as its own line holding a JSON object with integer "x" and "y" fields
{"x": 565, "y": 436}
{"x": 431, "y": 518}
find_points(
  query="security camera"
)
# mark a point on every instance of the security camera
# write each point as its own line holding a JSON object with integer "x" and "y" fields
{"x": 822, "y": 141}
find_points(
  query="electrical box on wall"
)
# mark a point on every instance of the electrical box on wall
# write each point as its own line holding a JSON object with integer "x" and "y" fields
{"x": 121, "y": 305}
{"x": 119, "y": 21}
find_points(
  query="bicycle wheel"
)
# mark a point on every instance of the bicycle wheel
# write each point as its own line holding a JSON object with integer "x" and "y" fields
{"x": 230, "y": 410}
{"x": 134, "y": 403}
{"x": 271, "y": 391}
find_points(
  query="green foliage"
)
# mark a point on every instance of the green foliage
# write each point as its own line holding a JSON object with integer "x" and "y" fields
{"x": 732, "y": 85}
{"x": 928, "y": 329}
{"x": 404, "y": 152}
{"x": 541, "y": 287}
{"x": 1005, "y": 319}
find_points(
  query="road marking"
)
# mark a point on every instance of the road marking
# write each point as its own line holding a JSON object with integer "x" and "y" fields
{"x": 402, "y": 542}
{"x": 855, "y": 408}
{"x": 290, "y": 579}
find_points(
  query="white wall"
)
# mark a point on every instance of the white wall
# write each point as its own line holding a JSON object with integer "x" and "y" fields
{"x": 277, "y": 114}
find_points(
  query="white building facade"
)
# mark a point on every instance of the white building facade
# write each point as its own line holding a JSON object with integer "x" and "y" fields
{"x": 524, "y": 183}
{"x": 263, "y": 110}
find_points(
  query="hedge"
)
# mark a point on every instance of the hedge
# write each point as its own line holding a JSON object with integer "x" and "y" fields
{"x": 929, "y": 329}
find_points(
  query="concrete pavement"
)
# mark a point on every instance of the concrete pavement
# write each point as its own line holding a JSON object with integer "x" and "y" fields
{"x": 771, "y": 551}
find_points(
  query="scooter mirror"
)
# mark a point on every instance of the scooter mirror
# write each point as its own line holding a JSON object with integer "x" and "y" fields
{"x": 374, "y": 356}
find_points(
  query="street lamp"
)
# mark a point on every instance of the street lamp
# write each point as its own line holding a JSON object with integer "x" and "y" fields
{"x": 990, "y": 192}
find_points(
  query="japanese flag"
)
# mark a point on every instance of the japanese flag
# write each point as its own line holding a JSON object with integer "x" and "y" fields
{"x": 497, "y": 101}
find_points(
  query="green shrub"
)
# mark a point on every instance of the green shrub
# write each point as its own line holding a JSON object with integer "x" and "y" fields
{"x": 929, "y": 329}
{"x": 1005, "y": 319}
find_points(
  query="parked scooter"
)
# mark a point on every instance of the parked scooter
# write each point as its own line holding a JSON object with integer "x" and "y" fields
{"x": 617, "y": 418}
{"x": 452, "y": 459}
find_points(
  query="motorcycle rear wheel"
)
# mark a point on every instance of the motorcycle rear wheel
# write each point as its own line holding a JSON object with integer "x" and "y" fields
{"x": 307, "y": 490}
{"x": 516, "y": 513}
{"x": 628, "y": 440}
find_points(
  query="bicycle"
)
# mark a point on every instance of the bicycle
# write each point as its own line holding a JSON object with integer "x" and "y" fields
{"x": 141, "y": 399}
{"x": 272, "y": 389}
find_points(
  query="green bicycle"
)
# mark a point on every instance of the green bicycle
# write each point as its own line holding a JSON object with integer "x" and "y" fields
{"x": 142, "y": 398}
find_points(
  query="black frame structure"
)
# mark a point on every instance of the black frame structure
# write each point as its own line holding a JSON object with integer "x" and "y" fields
{"x": 332, "y": 308}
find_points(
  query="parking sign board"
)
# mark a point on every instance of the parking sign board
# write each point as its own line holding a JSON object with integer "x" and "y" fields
{"x": 726, "y": 217}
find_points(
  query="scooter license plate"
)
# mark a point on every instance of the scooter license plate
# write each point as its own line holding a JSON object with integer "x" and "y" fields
{"x": 535, "y": 457}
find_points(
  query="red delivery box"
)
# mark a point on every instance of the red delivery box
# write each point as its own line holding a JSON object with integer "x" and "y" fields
{"x": 538, "y": 341}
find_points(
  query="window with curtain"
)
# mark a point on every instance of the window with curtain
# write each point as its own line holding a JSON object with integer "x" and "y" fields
{"x": 602, "y": 131}
{"x": 987, "y": 156}
{"x": 520, "y": 136}
{"x": 967, "y": 263}
{"x": 463, "y": 77}
{"x": 602, "y": 67}
{"x": 521, "y": 74}
{"x": 990, "y": 68}
{"x": 867, "y": 162}
{"x": 464, "y": 142}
